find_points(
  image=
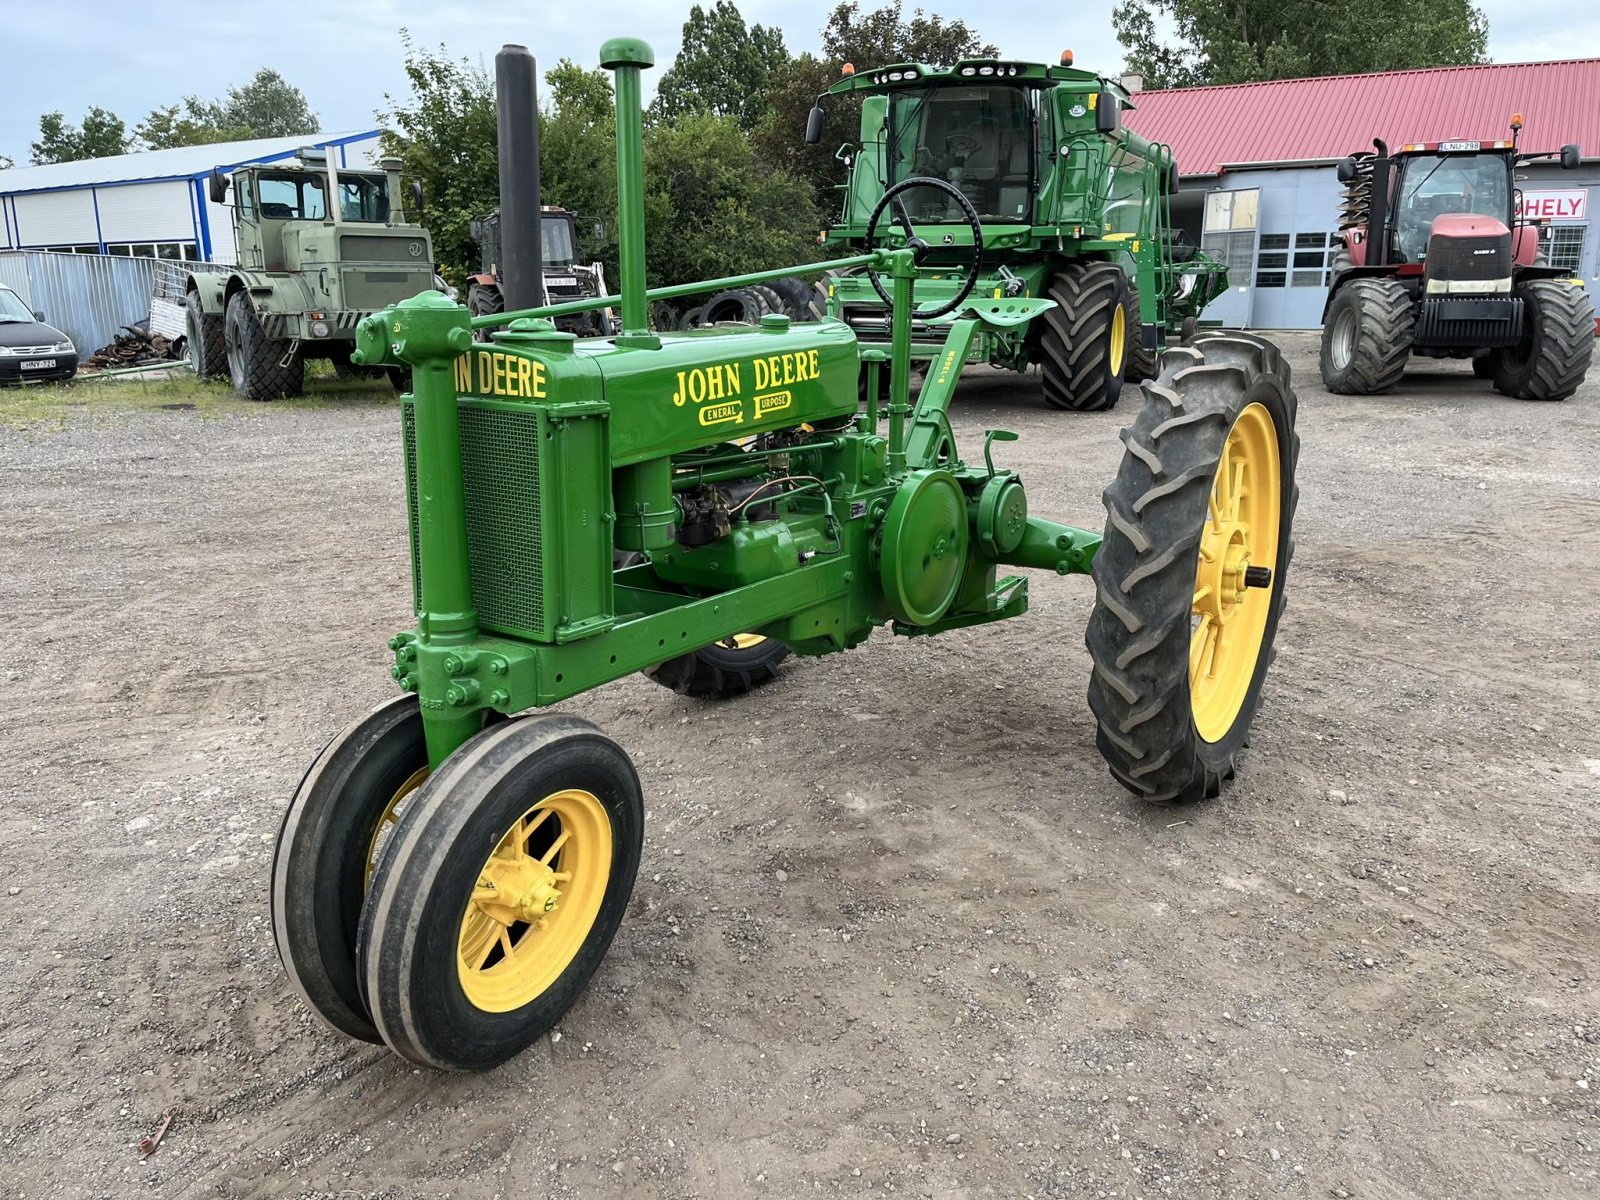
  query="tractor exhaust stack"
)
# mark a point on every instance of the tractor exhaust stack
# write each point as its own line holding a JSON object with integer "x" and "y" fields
{"x": 516, "y": 99}
{"x": 628, "y": 57}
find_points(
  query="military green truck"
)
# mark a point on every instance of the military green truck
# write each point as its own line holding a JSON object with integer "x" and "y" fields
{"x": 308, "y": 270}
{"x": 1049, "y": 196}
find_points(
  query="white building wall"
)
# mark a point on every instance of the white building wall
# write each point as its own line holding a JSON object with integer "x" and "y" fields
{"x": 147, "y": 212}
{"x": 7, "y": 242}
{"x": 63, "y": 218}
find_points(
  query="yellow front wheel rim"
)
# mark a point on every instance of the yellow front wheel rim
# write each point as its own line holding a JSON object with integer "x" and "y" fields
{"x": 1229, "y": 620}
{"x": 1119, "y": 338}
{"x": 535, "y": 901}
{"x": 387, "y": 819}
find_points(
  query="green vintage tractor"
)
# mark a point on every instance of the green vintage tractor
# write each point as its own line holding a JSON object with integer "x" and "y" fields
{"x": 308, "y": 272}
{"x": 1040, "y": 191}
{"x": 695, "y": 505}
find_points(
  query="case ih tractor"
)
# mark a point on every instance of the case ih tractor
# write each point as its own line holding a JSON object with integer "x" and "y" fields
{"x": 454, "y": 865}
{"x": 564, "y": 278}
{"x": 1045, "y": 194}
{"x": 1435, "y": 263}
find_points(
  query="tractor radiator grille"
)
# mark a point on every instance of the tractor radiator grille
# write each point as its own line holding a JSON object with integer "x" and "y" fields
{"x": 505, "y": 533}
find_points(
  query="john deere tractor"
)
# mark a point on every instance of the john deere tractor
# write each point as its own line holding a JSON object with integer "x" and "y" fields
{"x": 697, "y": 505}
{"x": 1040, "y": 192}
{"x": 1435, "y": 263}
{"x": 309, "y": 270}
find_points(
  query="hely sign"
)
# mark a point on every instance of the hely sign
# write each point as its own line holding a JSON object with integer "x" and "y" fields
{"x": 1568, "y": 204}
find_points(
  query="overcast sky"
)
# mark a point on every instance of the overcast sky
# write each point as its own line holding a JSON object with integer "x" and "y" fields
{"x": 130, "y": 58}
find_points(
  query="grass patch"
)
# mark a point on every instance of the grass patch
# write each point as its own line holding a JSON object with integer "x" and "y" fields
{"x": 47, "y": 407}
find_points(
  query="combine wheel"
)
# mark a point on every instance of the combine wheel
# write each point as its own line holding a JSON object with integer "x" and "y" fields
{"x": 327, "y": 845}
{"x": 500, "y": 891}
{"x": 261, "y": 368}
{"x": 1366, "y": 337}
{"x": 206, "y": 343}
{"x": 1190, "y": 577}
{"x": 1084, "y": 345}
{"x": 1141, "y": 361}
{"x": 1557, "y": 343}
{"x": 731, "y": 667}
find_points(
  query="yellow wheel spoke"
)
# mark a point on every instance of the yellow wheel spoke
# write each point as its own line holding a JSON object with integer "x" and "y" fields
{"x": 1198, "y": 641}
{"x": 1236, "y": 491}
{"x": 555, "y": 846}
{"x": 1216, "y": 651}
{"x": 506, "y": 943}
{"x": 1201, "y": 595}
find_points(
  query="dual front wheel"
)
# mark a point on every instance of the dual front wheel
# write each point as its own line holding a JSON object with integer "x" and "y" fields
{"x": 455, "y": 916}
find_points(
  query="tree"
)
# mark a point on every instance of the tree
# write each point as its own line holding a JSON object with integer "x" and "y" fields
{"x": 268, "y": 105}
{"x": 723, "y": 67}
{"x": 713, "y": 209}
{"x": 101, "y": 135}
{"x": 1239, "y": 41}
{"x": 444, "y": 136}
{"x": 867, "y": 40}
{"x": 188, "y": 125}
{"x": 7, "y": 162}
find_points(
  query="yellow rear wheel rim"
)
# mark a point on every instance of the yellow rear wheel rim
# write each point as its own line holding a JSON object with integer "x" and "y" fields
{"x": 386, "y": 822}
{"x": 743, "y": 641}
{"x": 1229, "y": 620}
{"x": 535, "y": 901}
{"x": 1119, "y": 338}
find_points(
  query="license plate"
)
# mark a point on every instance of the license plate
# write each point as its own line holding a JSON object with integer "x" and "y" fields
{"x": 1448, "y": 146}
{"x": 560, "y": 281}
{"x": 38, "y": 364}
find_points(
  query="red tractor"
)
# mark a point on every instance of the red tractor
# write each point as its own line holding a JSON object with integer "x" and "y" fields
{"x": 1435, "y": 263}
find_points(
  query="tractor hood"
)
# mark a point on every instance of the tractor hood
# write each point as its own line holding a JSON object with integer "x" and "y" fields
{"x": 1468, "y": 253}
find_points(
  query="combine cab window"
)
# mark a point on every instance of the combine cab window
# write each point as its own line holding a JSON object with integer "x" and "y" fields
{"x": 978, "y": 138}
{"x": 1432, "y": 185}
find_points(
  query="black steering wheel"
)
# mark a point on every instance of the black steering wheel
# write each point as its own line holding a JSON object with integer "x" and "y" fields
{"x": 974, "y": 265}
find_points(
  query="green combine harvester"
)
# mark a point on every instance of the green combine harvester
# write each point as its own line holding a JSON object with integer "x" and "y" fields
{"x": 697, "y": 506}
{"x": 1045, "y": 194}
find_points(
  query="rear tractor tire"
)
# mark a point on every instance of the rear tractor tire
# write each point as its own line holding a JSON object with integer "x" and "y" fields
{"x": 1557, "y": 345}
{"x": 731, "y": 667}
{"x": 1083, "y": 347}
{"x": 484, "y": 300}
{"x": 205, "y": 341}
{"x": 1366, "y": 337}
{"x": 500, "y": 891}
{"x": 261, "y": 368}
{"x": 1189, "y": 582}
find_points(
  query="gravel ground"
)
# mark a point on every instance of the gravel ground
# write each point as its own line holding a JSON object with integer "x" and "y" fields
{"x": 896, "y": 931}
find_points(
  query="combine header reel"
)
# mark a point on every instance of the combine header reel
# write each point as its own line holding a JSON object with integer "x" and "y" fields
{"x": 695, "y": 506}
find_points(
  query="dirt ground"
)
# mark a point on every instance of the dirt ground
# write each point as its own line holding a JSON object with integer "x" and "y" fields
{"x": 897, "y": 931}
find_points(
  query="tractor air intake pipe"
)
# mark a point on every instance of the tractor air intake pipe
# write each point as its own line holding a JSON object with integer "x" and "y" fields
{"x": 628, "y": 57}
{"x": 516, "y": 99}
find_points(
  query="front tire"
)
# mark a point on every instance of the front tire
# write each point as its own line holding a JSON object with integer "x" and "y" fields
{"x": 206, "y": 343}
{"x": 1557, "y": 345}
{"x": 260, "y": 367}
{"x": 1183, "y": 624}
{"x": 500, "y": 892}
{"x": 328, "y": 842}
{"x": 1083, "y": 346}
{"x": 1366, "y": 337}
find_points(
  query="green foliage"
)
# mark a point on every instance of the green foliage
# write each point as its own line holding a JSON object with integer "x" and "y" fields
{"x": 101, "y": 135}
{"x": 268, "y": 105}
{"x": 871, "y": 39}
{"x": 186, "y": 125}
{"x": 1188, "y": 43}
{"x": 578, "y": 155}
{"x": 444, "y": 135}
{"x": 723, "y": 67}
{"x": 712, "y": 209}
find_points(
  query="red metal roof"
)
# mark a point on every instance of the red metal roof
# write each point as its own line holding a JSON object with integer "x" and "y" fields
{"x": 1318, "y": 120}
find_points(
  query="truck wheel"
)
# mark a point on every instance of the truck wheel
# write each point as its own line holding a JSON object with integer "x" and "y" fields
{"x": 1557, "y": 343}
{"x": 1189, "y": 581}
{"x": 255, "y": 361}
{"x": 1083, "y": 349}
{"x": 206, "y": 343}
{"x": 1486, "y": 364}
{"x": 483, "y": 300}
{"x": 499, "y": 892}
{"x": 1141, "y": 361}
{"x": 1366, "y": 337}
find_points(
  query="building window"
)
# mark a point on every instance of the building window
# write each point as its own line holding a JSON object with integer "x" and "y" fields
{"x": 1562, "y": 246}
{"x": 1272, "y": 261}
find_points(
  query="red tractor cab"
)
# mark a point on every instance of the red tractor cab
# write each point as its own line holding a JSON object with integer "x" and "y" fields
{"x": 1435, "y": 263}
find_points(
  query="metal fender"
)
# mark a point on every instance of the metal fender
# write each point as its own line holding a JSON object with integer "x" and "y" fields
{"x": 212, "y": 289}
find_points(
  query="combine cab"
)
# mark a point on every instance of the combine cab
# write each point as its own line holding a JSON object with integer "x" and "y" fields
{"x": 308, "y": 271}
{"x": 1435, "y": 263}
{"x": 1042, "y": 193}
